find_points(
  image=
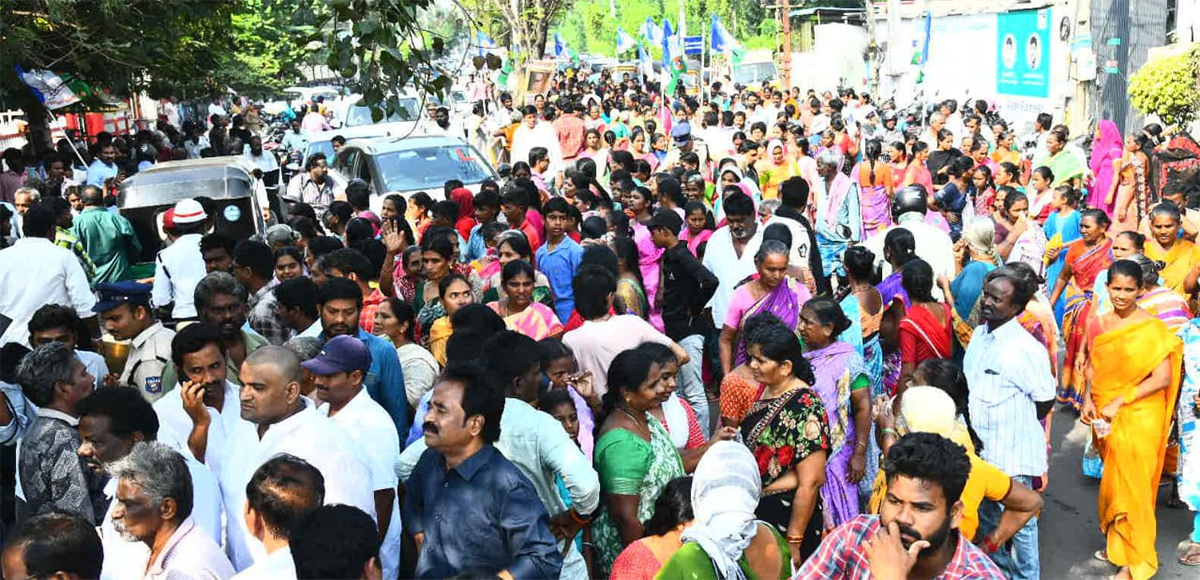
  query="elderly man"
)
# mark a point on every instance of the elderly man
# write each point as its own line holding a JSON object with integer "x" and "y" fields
{"x": 463, "y": 482}
{"x": 1012, "y": 388}
{"x": 281, "y": 493}
{"x": 111, "y": 422}
{"x": 53, "y": 546}
{"x": 107, "y": 236}
{"x": 221, "y": 302}
{"x": 51, "y": 476}
{"x": 281, "y": 421}
{"x": 154, "y": 506}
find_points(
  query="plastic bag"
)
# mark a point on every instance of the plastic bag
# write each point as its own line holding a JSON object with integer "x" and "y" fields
{"x": 1093, "y": 464}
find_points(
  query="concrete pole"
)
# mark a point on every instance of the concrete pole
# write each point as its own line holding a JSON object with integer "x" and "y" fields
{"x": 785, "y": 65}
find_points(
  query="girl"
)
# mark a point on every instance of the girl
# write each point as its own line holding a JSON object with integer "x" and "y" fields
{"x": 876, "y": 186}
{"x": 1061, "y": 229}
{"x": 1040, "y": 194}
{"x": 700, "y": 228}
{"x": 561, "y": 373}
{"x": 1130, "y": 188}
{"x": 982, "y": 191}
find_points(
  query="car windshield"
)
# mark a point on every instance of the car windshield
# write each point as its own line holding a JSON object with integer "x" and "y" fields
{"x": 358, "y": 116}
{"x": 753, "y": 72}
{"x": 426, "y": 167}
{"x": 325, "y": 147}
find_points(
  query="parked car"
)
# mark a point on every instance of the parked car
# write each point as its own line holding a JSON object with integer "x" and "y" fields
{"x": 406, "y": 166}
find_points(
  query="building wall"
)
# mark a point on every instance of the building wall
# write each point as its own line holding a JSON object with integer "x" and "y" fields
{"x": 1123, "y": 32}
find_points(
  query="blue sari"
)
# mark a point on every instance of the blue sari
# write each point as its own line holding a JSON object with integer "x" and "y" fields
{"x": 968, "y": 286}
{"x": 1060, "y": 231}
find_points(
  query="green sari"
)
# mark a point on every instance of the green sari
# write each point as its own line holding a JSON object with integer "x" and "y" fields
{"x": 628, "y": 465}
{"x": 1065, "y": 166}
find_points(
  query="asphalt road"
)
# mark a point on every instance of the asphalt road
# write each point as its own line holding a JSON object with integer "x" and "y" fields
{"x": 1068, "y": 530}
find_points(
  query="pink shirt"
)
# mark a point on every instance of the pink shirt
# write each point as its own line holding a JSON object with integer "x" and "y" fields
{"x": 596, "y": 344}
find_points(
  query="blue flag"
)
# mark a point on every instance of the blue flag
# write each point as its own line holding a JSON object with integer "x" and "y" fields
{"x": 560, "y": 45}
{"x": 667, "y": 35}
{"x": 625, "y": 42}
{"x": 484, "y": 42}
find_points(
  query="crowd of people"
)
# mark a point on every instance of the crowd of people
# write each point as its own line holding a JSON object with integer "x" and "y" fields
{"x": 773, "y": 335}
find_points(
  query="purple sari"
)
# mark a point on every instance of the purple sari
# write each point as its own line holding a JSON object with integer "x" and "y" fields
{"x": 783, "y": 302}
{"x": 890, "y": 289}
{"x": 836, "y": 367}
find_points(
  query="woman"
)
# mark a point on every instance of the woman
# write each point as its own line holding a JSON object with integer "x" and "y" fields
{"x": 1131, "y": 183}
{"x": 1106, "y": 148}
{"x": 775, "y": 169}
{"x": 939, "y": 160}
{"x": 1061, "y": 228}
{"x": 739, "y": 390}
{"x": 1067, "y": 167}
{"x": 642, "y": 559}
{"x": 517, "y": 307}
{"x": 641, "y": 149}
{"x": 513, "y": 246}
{"x": 700, "y": 228}
{"x": 594, "y": 148}
{"x": 641, "y": 207}
{"x": 289, "y": 263}
{"x": 437, "y": 261}
{"x": 454, "y": 292}
{"x": 788, "y": 432}
{"x": 1188, "y": 418}
{"x": 1004, "y": 152}
{"x": 839, "y": 216}
{"x": 629, "y": 281}
{"x": 466, "y": 211}
{"x": 926, "y": 330}
{"x": 844, "y": 387}
{"x": 1124, "y": 245}
{"x": 975, "y": 256}
{"x": 982, "y": 191}
{"x": 633, "y": 456}
{"x": 876, "y": 184}
{"x": 1018, "y": 237}
{"x": 898, "y": 160}
{"x": 863, "y": 305}
{"x": 771, "y": 291}
{"x": 396, "y": 321}
{"x": 677, "y": 415}
{"x": 419, "y": 207}
{"x": 917, "y": 173}
{"x": 1132, "y": 382}
{"x": 1084, "y": 261}
{"x": 1161, "y": 302}
{"x": 725, "y": 540}
{"x": 1181, "y": 258}
{"x": 1041, "y": 194}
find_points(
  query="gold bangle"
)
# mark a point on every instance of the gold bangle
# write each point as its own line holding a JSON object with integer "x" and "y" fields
{"x": 791, "y": 539}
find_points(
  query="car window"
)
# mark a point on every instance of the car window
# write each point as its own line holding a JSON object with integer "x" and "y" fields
{"x": 426, "y": 167}
{"x": 345, "y": 160}
{"x": 357, "y": 116}
{"x": 325, "y": 147}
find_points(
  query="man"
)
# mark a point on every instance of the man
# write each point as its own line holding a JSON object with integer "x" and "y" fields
{"x": 954, "y": 119}
{"x": 681, "y": 135}
{"x": 53, "y": 546}
{"x": 196, "y": 141}
{"x": 315, "y": 122}
{"x": 539, "y": 166}
{"x": 56, "y": 176}
{"x": 280, "y": 494}
{"x": 268, "y": 166}
{"x": 916, "y": 532}
{"x": 217, "y": 250}
{"x": 221, "y": 303}
{"x": 55, "y": 323}
{"x": 23, "y": 199}
{"x": 338, "y": 373}
{"x": 687, "y": 286}
{"x": 313, "y": 185}
{"x": 335, "y": 541}
{"x": 560, "y": 256}
{"x": 295, "y": 141}
{"x": 937, "y": 122}
{"x": 533, "y": 133}
{"x": 51, "y": 476}
{"x": 111, "y": 423}
{"x": 1012, "y": 388}
{"x": 254, "y": 268}
{"x": 179, "y": 267}
{"x": 280, "y": 421}
{"x": 107, "y": 236}
{"x": 1034, "y": 144}
{"x": 933, "y": 245}
{"x": 13, "y": 177}
{"x": 125, "y": 309}
{"x": 352, "y": 265}
{"x": 170, "y": 111}
{"x": 34, "y": 272}
{"x": 463, "y": 482}
{"x": 793, "y": 212}
{"x": 730, "y": 252}
{"x": 536, "y": 443}
{"x": 603, "y": 336}
{"x": 340, "y": 303}
{"x": 296, "y": 306}
{"x": 570, "y": 129}
{"x": 103, "y": 172}
{"x": 63, "y": 237}
{"x": 154, "y": 505}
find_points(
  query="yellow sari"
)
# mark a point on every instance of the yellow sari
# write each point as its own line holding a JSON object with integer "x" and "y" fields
{"x": 1179, "y": 260}
{"x": 1133, "y": 452}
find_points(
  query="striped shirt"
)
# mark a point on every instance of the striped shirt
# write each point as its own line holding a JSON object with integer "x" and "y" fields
{"x": 63, "y": 238}
{"x": 1007, "y": 372}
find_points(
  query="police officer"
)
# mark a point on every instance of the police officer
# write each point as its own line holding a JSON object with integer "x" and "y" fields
{"x": 180, "y": 266}
{"x": 125, "y": 309}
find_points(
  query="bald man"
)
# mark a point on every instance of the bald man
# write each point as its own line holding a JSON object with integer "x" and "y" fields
{"x": 280, "y": 420}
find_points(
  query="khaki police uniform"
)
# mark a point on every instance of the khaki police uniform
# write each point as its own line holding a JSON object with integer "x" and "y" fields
{"x": 149, "y": 356}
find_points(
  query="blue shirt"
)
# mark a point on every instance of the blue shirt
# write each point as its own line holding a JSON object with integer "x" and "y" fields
{"x": 98, "y": 172}
{"x": 482, "y": 516}
{"x": 476, "y": 247}
{"x": 385, "y": 379}
{"x": 559, "y": 266}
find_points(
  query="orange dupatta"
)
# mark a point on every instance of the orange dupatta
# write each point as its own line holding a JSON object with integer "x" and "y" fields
{"x": 1133, "y": 452}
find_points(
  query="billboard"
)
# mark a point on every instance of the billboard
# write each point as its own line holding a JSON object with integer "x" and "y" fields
{"x": 1023, "y": 53}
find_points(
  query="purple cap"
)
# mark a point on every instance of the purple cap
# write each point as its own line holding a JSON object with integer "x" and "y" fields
{"x": 342, "y": 354}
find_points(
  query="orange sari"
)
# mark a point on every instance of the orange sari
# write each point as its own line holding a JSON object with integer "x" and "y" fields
{"x": 1133, "y": 453}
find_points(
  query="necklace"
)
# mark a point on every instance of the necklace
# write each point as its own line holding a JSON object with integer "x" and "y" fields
{"x": 644, "y": 426}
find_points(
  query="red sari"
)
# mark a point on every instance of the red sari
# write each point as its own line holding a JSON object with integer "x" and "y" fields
{"x": 1086, "y": 265}
{"x": 923, "y": 336}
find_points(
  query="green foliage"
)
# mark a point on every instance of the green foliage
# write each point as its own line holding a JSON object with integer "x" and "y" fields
{"x": 1168, "y": 87}
{"x": 590, "y": 28}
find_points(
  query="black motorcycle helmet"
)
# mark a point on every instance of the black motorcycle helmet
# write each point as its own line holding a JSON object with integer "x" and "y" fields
{"x": 912, "y": 198}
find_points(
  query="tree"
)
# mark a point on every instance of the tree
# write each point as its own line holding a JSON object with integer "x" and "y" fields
{"x": 1168, "y": 87}
{"x": 529, "y": 21}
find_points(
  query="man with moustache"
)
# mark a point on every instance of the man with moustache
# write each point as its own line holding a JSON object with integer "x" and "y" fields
{"x": 124, "y": 307}
{"x": 730, "y": 252}
{"x": 916, "y": 532}
{"x": 221, "y": 302}
{"x": 277, "y": 419}
{"x": 111, "y": 422}
{"x": 154, "y": 506}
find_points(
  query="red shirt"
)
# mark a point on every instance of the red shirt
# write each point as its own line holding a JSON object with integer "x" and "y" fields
{"x": 371, "y": 303}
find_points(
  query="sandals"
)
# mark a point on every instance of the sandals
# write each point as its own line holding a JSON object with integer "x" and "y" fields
{"x": 1192, "y": 556}
{"x": 1101, "y": 555}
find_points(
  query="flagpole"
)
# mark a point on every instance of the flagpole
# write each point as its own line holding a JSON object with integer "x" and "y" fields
{"x": 705, "y": 49}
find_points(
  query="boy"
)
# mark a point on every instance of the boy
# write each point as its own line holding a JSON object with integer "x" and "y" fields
{"x": 487, "y": 207}
{"x": 514, "y": 203}
{"x": 560, "y": 256}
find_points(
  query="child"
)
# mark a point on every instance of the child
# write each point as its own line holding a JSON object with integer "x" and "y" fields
{"x": 487, "y": 207}
{"x": 952, "y": 198}
{"x": 560, "y": 256}
{"x": 559, "y": 369}
{"x": 1040, "y": 194}
{"x": 489, "y": 234}
{"x": 700, "y": 228}
{"x": 558, "y": 404}
{"x": 515, "y": 203}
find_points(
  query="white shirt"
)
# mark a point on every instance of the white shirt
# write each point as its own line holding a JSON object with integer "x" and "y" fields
{"x": 538, "y": 445}
{"x": 266, "y": 161}
{"x": 373, "y": 432}
{"x": 95, "y": 365}
{"x": 1007, "y": 372}
{"x": 277, "y": 565}
{"x": 128, "y": 558}
{"x": 307, "y": 435}
{"x": 177, "y": 270}
{"x": 190, "y": 554}
{"x": 174, "y": 424}
{"x": 33, "y": 273}
{"x": 801, "y": 243}
{"x": 933, "y": 245}
{"x": 314, "y": 330}
{"x": 721, "y": 259}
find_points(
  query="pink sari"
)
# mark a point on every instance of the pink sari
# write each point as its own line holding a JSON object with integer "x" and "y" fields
{"x": 1104, "y": 151}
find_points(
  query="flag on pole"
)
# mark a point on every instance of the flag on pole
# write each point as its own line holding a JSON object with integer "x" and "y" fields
{"x": 560, "y": 45}
{"x": 724, "y": 42}
{"x": 644, "y": 63}
{"x": 484, "y": 42}
{"x": 667, "y": 35}
{"x": 49, "y": 88}
{"x": 650, "y": 32}
{"x": 922, "y": 56}
{"x": 625, "y": 42}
